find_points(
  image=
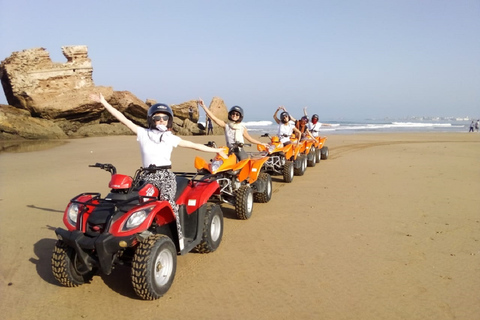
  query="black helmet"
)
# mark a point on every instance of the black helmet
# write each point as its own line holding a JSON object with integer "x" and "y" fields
{"x": 283, "y": 115}
{"x": 237, "y": 109}
{"x": 159, "y": 108}
{"x": 304, "y": 118}
{"x": 315, "y": 116}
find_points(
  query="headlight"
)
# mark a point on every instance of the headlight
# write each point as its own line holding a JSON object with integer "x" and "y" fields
{"x": 216, "y": 165}
{"x": 271, "y": 148}
{"x": 72, "y": 213}
{"x": 137, "y": 218}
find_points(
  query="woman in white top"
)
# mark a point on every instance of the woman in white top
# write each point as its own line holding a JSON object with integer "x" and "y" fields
{"x": 235, "y": 131}
{"x": 156, "y": 145}
{"x": 314, "y": 126}
{"x": 286, "y": 125}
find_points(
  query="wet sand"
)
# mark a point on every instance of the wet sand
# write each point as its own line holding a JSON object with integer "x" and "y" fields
{"x": 387, "y": 228}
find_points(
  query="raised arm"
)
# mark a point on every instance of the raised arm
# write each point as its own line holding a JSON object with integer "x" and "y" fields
{"x": 298, "y": 132}
{"x": 253, "y": 140}
{"x": 117, "y": 114}
{"x": 305, "y": 112}
{"x": 275, "y": 114}
{"x": 210, "y": 114}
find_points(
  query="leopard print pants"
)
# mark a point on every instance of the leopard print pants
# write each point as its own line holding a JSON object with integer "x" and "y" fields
{"x": 165, "y": 181}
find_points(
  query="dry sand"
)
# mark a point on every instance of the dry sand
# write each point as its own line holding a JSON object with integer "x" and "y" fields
{"x": 387, "y": 228}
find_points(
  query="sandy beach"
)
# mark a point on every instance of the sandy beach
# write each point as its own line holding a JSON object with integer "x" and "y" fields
{"x": 387, "y": 228}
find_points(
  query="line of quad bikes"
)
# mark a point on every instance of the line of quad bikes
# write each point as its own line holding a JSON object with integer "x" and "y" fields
{"x": 132, "y": 227}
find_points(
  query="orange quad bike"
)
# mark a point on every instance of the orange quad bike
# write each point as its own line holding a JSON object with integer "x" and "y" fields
{"x": 285, "y": 160}
{"x": 241, "y": 182}
{"x": 307, "y": 149}
{"x": 321, "y": 150}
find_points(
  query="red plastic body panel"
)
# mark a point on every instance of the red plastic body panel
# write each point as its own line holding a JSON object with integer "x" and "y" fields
{"x": 162, "y": 212}
{"x": 120, "y": 181}
{"x": 194, "y": 197}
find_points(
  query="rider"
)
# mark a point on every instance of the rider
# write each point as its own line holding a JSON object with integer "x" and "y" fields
{"x": 286, "y": 126}
{"x": 235, "y": 131}
{"x": 302, "y": 126}
{"x": 314, "y": 125}
{"x": 156, "y": 145}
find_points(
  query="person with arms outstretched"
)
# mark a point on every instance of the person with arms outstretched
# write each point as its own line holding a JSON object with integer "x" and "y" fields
{"x": 286, "y": 125}
{"x": 313, "y": 125}
{"x": 235, "y": 130}
{"x": 156, "y": 145}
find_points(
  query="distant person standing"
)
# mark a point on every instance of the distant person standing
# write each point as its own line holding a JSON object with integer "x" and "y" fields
{"x": 209, "y": 126}
{"x": 472, "y": 126}
{"x": 476, "y": 125}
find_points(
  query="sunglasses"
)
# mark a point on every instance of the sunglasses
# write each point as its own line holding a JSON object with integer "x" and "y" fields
{"x": 158, "y": 118}
{"x": 236, "y": 114}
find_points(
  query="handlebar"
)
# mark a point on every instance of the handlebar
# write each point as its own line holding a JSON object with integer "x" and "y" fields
{"x": 105, "y": 166}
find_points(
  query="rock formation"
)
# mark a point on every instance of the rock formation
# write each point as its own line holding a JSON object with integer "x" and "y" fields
{"x": 49, "y": 100}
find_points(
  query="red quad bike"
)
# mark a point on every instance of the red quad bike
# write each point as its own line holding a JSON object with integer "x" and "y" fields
{"x": 283, "y": 160}
{"x": 241, "y": 182}
{"x": 132, "y": 227}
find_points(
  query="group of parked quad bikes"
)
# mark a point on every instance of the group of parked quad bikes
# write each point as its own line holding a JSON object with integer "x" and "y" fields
{"x": 132, "y": 227}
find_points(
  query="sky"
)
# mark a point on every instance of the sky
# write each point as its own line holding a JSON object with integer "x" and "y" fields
{"x": 343, "y": 59}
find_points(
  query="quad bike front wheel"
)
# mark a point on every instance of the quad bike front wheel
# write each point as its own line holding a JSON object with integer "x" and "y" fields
{"x": 302, "y": 160}
{"x": 266, "y": 195}
{"x": 325, "y": 153}
{"x": 318, "y": 155}
{"x": 66, "y": 266}
{"x": 212, "y": 229}
{"x": 313, "y": 157}
{"x": 244, "y": 202}
{"x": 153, "y": 267}
{"x": 288, "y": 171}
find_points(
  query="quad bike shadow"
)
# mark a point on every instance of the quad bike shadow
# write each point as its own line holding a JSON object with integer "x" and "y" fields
{"x": 43, "y": 252}
{"x": 242, "y": 182}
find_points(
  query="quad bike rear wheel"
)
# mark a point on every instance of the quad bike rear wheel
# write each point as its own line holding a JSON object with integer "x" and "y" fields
{"x": 324, "y": 151}
{"x": 266, "y": 195}
{"x": 302, "y": 160}
{"x": 66, "y": 266}
{"x": 244, "y": 202}
{"x": 312, "y": 154}
{"x": 212, "y": 229}
{"x": 288, "y": 171}
{"x": 318, "y": 155}
{"x": 153, "y": 267}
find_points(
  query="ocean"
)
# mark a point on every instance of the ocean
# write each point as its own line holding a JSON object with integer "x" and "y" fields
{"x": 372, "y": 126}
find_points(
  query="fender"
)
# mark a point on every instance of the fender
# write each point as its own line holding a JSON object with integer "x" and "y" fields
{"x": 194, "y": 198}
{"x": 297, "y": 151}
{"x": 245, "y": 169}
{"x": 201, "y": 164}
{"x": 288, "y": 150}
{"x": 256, "y": 167}
{"x": 161, "y": 211}
{"x": 240, "y": 164}
{"x": 321, "y": 142}
{"x": 228, "y": 164}
{"x": 261, "y": 147}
